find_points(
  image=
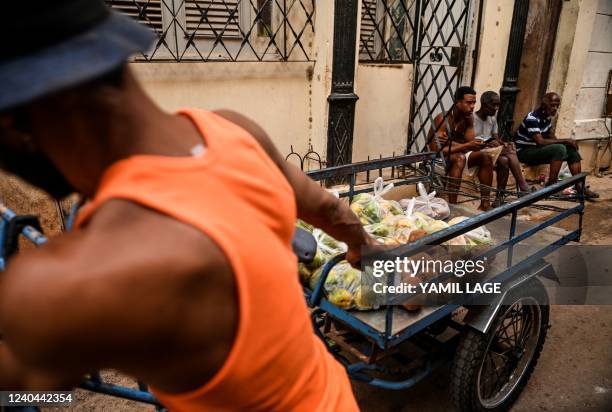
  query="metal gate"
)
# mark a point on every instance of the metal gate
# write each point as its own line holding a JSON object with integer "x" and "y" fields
{"x": 442, "y": 28}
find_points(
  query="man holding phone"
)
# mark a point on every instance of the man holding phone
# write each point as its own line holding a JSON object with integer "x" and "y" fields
{"x": 453, "y": 135}
{"x": 486, "y": 130}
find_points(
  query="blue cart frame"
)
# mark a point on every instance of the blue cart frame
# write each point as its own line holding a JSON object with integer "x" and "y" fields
{"x": 384, "y": 340}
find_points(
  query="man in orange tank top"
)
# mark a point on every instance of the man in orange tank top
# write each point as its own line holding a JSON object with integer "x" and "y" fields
{"x": 69, "y": 109}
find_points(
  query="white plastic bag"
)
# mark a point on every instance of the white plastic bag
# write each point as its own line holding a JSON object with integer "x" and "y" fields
{"x": 479, "y": 236}
{"x": 373, "y": 208}
{"x": 428, "y": 204}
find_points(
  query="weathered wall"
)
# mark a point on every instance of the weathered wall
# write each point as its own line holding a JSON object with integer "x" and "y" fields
{"x": 592, "y": 93}
{"x": 563, "y": 45}
{"x": 383, "y": 110}
{"x": 494, "y": 36}
{"x": 583, "y": 57}
{"x": 276, "y": 95}
{"x": 577, "y": 62}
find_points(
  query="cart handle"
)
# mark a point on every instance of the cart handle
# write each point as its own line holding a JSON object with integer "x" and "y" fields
{"x": 317, "y": 293}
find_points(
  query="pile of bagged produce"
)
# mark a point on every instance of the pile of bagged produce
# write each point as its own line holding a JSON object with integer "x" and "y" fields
{"x": 391, "y": 223}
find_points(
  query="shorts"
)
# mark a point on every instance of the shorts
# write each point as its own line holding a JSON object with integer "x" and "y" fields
{"x": 539, "y": 155}
{"x": 472, "y": 170}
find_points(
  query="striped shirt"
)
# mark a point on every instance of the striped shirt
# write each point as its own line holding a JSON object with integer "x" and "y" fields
{"x": 535, "y": 122}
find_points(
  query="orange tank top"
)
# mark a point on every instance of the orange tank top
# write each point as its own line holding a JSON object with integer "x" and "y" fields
{"x": 237, "y": 196}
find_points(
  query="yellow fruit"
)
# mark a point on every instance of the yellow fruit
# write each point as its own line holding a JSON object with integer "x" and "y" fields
{"x": 357, "y": 208}
{"x": 404, "y": 223}
{"x": 391, "y": 242}
{"x": 341, "y": 298}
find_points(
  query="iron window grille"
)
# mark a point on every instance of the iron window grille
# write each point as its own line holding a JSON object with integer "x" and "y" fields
{"x": 387, "y": 31}
{"x": 438, "y": 66}
{"x": 225, "y": 30}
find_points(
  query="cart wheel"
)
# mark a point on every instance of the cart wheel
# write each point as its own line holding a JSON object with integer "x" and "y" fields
{"x": 490, "y": 370}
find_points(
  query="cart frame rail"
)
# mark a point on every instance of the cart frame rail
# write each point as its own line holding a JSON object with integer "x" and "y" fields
{"x": 515, "y": 272}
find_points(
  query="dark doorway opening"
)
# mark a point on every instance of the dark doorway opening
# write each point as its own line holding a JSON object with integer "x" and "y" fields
{"x": 537, "y": 55}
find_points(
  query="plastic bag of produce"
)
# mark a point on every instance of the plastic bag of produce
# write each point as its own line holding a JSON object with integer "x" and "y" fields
{"x": 304, "y": 273}
{"x": 408, "y": 235}
{"x": 408, "y": 220}
{"x": 428, "y": 204}
{"x": 301, "y": 224}
{"x": 480, "y": 236}
{"x": 380, "y": 229}
{"x": 373, "y": 208}
{"x": 327, "y": 247}
{"x": 343, "y": 287}
{"x": 328, "y": 244}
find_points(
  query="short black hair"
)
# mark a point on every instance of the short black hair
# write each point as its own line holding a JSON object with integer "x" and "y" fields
{"x": 462, "y": 91}
{"x": 488, "y": 96}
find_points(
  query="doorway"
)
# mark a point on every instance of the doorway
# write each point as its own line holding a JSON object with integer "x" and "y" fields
{"x": 538, "y": 48}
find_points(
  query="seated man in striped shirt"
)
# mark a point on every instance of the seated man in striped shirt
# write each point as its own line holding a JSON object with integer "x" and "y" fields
{"x": 536, "y": 144}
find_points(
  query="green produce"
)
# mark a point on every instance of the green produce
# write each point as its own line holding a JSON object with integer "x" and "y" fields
{"x": 379, "y": 229}
{"x": 301, "y": 224}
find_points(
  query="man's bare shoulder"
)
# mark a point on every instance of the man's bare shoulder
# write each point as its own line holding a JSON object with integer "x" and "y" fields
{"x": 256, "y": 131}
{"x": 122, "y": 232}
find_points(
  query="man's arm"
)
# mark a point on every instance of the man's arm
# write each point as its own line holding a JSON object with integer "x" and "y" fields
{"x": 15, "y": 376}
{"x": 440, "y": 129}
{"x": 533, "y": 128}
{"x": 315, "y": 205}
{"x": 552, "y": 139}
{"x": 75, "y": 305}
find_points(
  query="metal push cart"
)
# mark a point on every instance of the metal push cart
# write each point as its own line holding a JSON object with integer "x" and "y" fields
{"x": 494, "y": 348}
{"x": 372, "y": 344}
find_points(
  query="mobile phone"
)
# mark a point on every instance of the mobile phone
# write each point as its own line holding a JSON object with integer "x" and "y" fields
{"x": 485, "y": 139}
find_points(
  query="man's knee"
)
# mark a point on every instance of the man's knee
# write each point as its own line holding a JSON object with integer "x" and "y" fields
{"x": 485, "y": 160}
{"x": 503, "y": 162}
{"x": 557, "y": 152}
{"x": 457, "y": 159}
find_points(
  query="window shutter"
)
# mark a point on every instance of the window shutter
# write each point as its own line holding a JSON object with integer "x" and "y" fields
{"x": 147, "y": 12}
{"x": 368, "y": 27}
{"x": 211, "y": 18}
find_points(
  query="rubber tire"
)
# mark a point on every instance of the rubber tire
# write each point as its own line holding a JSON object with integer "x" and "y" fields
{"x": 473, "y": 344}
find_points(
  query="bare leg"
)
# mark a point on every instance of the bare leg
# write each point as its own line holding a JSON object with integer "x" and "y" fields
{"x": 485, "y": 176}
{"x": 502, "y": 169}
{"x": 553, "y": 175}
{"x": 574, "y": 170}
{"x": 457, "y": 164}
{"x": 517, "y": 172}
